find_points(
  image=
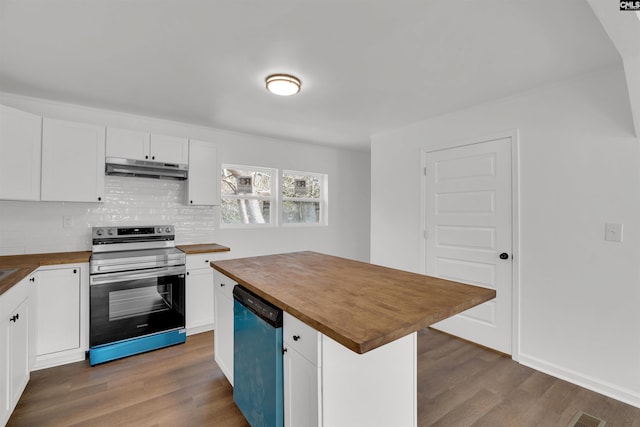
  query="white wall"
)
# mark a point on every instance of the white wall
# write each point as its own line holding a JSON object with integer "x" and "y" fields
{"x": 32, "y": 227}
{"x": 579, "y": 168}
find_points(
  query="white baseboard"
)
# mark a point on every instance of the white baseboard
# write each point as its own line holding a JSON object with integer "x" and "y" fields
{"x": 56, "y": 359}
{"x": 607, "y": 389}
{"x": 196, "y": 329}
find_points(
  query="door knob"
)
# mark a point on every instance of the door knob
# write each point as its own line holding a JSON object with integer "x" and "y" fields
{"x": 504, "y": 255}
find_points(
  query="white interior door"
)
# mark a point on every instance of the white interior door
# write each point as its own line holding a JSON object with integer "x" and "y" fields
{"x": 468, "y": 212}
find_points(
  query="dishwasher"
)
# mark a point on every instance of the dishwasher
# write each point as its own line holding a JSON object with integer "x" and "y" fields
{"x": 257, "y": 359}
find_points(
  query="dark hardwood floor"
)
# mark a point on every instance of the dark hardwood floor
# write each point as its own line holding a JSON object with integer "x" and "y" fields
{"x": 459, "y": 384}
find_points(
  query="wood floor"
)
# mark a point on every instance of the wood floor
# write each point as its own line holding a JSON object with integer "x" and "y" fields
{"x": 459, "y": 384}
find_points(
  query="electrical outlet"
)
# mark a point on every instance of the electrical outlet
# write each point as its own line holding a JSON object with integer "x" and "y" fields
{"x": 67, "y": 221}
{"x": 613, "y": 232}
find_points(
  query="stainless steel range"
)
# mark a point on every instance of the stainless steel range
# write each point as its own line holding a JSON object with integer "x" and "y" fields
{"x": 137, "y": 291}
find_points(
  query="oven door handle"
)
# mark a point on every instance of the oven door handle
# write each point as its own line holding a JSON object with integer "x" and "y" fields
{"x": 100, "y": 279}
{"x": 120, "y": 265}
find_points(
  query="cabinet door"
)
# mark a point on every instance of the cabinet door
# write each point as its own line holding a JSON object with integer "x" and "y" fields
{"x": 20, "y": 144}
{"x": 223, "y": 335}
{"x": 18, "y": 333}
{"x": 5, "y": 405}
{"x": 58, "y": 310}
{"x": 14, "y": 345}
{"x": 72, "y": 161}
{"x": 199, "y": 300}
{"x": 127, "y": 144}
{"x": 301, "y": 390}
{"x": 204, "y": 174}
{"x": 169, "y": 149}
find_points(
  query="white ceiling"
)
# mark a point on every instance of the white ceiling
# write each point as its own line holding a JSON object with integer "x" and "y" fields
{"x": 366, "y": 65}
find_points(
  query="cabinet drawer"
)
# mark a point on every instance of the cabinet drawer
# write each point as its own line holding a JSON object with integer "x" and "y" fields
{"x": 223, "y": 284}
{"x": 301, "y": 337}
{"x": 199, "y": 261}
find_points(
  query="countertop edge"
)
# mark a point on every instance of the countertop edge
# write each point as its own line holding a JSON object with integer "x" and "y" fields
{"x": 203, "y": 248}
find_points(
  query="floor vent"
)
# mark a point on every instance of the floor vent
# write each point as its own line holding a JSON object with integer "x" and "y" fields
{"x": 585, "y": 420}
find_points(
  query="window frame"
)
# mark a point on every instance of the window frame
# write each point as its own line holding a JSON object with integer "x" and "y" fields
{"x": 272, "y": 199}
{"x": 323, "y": 221}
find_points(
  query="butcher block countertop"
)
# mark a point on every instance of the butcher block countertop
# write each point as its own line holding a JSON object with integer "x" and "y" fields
{"x": 203, "y": 248}
{"x": 26, "y": 264}
{"x": 362, "y": 306}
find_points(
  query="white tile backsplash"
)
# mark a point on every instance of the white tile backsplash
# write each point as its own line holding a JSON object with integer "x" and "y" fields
{"x": 35, "y": 227}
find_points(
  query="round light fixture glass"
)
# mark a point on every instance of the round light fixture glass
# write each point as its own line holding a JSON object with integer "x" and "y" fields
{"x": 283, "y": 84}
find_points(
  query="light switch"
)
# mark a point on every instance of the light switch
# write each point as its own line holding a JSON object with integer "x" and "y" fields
{"x": 613, "y": 232}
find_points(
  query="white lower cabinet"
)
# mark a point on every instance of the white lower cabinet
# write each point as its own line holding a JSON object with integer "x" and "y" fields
{"x": 326, "y": 384}
{"x": 199, "y": 308}
{"x": 301, "y": 371}
{"x": 223, "y": 314}
{"x": 15, "y": 350}
{"x": 5, "y": 401}
{"x": 199, "y": 289}
{"x": 61, "y": 312}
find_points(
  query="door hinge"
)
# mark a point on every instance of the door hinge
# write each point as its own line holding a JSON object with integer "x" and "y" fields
{"x": 424, "y": 170}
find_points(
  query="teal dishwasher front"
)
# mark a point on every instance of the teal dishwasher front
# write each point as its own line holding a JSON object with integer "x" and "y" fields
{"x": 257, "y": 359}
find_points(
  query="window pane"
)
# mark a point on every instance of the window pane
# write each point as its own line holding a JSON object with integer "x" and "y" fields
{"x": 300, "y": 212}
{"x": 245, "y": 211}
{"x": 246, "y": 181}
{"x": 301, "y": 186}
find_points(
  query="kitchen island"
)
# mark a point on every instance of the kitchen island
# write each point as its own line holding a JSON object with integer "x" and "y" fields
{"x": 361, "y": 322}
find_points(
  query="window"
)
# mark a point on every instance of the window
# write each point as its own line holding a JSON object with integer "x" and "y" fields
{"x": 303, "y": 198}
{"x": 246, "y": 195}
{"x": 249, "y": 197}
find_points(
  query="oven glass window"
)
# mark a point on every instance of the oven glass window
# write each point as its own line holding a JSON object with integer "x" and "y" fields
{"x": 139, "y": 301}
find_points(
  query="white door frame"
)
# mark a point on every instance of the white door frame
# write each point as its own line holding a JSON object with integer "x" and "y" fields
{"x": 513, "y": 134}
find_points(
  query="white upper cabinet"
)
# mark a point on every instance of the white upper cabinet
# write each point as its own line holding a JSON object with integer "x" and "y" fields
{"x": 20, "y": 145}
{"x": 128, "y": 144}
{"x": 169, "y": 149}
{"x": 137, "y": 145}
{"x": 72, "y": 161}
{"x": 204, "y": 174}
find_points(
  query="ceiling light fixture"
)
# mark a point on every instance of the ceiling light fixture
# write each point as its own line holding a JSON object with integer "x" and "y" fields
{"x": 283, "y": 84}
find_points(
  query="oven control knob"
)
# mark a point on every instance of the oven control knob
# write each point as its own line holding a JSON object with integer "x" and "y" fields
{"x": 159, "y": 230}
{"x": 168, "y": 229}
{"x": 111, "y": 232}
{"x": 99, "y": 232}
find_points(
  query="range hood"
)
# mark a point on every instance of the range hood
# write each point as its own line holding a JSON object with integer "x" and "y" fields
{"x": 146, "y": 169}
